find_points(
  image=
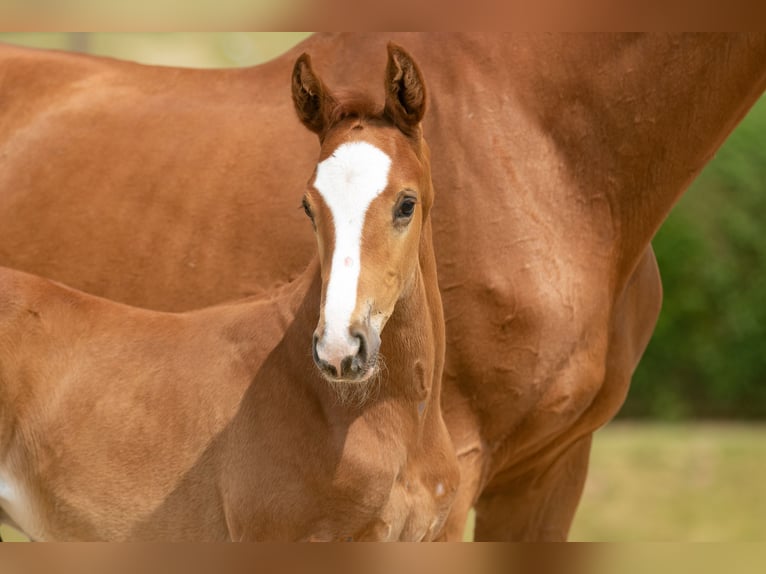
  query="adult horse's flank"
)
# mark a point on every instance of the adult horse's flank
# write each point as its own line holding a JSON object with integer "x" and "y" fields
{"x": 118, "y": 423}
{"x": 562, "y": 154}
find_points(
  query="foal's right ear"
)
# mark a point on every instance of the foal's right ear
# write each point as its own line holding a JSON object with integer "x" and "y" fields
{"x": 313, "y": 102}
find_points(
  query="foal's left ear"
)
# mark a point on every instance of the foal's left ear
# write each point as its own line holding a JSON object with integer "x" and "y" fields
{"x": 405, "y": 90}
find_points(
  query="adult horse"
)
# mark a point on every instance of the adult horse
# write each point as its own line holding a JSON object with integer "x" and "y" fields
{"x": 122, "y": 423}
{"x": 560, "y": 156}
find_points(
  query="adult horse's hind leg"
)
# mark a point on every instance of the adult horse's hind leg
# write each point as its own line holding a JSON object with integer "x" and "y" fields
{"x": 538, "y": 506}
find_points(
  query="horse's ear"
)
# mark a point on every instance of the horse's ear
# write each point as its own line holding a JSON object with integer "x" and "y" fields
{"x": 405, "y": 90}
{"x": 313, "y": 102}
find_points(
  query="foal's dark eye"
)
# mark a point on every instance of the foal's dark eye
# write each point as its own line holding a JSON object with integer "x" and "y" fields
{"x": 405, "y": 209}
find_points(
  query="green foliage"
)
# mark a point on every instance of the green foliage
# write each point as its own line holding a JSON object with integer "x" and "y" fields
{"x": 707, "y": 357}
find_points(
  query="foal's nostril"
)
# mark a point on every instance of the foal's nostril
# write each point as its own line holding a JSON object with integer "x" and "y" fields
{"x": 348, "y": 366}
{"x": 321, "y": 363}
{"x": 353, "y": 365}
{"x": 314, "y": 349}
{"x": 329, "y": 368}
{"x": 362, "y": 351}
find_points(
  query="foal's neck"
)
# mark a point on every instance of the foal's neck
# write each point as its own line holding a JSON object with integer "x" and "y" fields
{"x": 412, "y": 343}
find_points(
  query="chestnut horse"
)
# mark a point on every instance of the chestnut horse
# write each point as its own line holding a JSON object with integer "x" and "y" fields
{"x": 562, "y": 155}
{"x": 120, "y": 423}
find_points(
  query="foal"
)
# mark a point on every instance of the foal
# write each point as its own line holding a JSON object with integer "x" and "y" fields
{"x": 118, "y": 423}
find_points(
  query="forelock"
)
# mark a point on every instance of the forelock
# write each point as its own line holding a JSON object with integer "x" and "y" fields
{"x": 355, "y": 105}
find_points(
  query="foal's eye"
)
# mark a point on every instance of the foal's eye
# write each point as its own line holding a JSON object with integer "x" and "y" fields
{"x": 405, "y": 209}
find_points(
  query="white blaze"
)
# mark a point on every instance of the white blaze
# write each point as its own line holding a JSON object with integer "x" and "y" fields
{"x": 348, "y": 181}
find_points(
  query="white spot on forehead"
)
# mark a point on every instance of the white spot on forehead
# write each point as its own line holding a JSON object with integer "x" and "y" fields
{"x": 348, "y": 181}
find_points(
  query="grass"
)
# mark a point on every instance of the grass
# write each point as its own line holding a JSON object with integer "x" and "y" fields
{"x": 670, "y": 482}
{"x": 675, "y": 482}
{"x": 689, "y": 482}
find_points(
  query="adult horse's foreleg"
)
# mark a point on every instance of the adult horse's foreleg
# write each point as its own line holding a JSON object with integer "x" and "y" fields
{"x": 538, "y": 506}
{"x": 538, "y": 501}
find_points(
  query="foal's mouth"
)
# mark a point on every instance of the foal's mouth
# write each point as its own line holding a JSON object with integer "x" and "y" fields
{"x": 357, "y": 390}
{"x": 369, "y": 371}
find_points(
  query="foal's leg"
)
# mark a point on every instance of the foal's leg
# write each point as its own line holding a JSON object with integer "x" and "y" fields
{"x": 470, "y": 477}
{"x": 538, "y": 506}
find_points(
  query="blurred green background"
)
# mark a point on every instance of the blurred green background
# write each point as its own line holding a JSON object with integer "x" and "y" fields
{"x": 192, "y": 49}
{"x": 677, "y": 464}
{"x": 707, "y": 358}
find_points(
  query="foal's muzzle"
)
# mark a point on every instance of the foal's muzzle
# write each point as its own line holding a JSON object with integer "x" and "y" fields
{"x": 350, "y": 357}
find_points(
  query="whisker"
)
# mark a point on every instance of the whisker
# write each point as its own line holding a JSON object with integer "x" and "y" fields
{"x": 359, "y": 394}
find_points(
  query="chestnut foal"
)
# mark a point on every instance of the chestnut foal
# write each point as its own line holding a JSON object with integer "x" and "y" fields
{"x": 119, "y": 423}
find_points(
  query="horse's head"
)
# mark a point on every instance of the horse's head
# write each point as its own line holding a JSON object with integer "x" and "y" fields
{"x": 367, "y": 199}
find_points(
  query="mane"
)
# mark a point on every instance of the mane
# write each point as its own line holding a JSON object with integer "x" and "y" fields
{"x": 355, "y": 105}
